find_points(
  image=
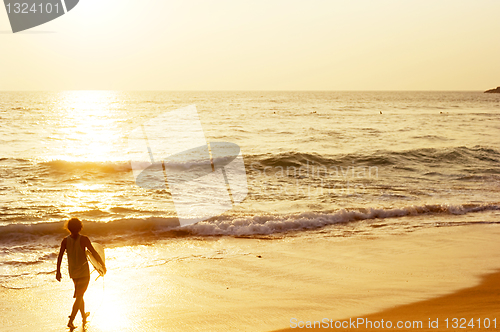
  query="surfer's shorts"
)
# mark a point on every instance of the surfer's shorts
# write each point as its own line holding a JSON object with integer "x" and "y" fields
{"x": 81, "y": 285}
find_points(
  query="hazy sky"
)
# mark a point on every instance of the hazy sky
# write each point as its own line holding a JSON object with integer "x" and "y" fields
{"x": 258, "y": 45}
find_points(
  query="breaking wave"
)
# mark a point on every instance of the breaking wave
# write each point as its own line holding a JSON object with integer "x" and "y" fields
{"x": 155, "y": 228}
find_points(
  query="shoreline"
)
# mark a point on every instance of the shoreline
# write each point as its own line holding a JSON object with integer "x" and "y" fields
{"x": 479, "y": 303}
{"x": 232, "y": 284}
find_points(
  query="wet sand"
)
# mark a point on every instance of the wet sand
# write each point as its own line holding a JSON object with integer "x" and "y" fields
{"x": 234, "y": 284}
{"x": 469, "y": 309}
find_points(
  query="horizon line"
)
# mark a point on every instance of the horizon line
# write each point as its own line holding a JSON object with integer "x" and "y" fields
{"x": 277, "y": 90}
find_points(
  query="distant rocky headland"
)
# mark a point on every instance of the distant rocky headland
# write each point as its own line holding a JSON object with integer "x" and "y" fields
{"x": 497, "y": 90}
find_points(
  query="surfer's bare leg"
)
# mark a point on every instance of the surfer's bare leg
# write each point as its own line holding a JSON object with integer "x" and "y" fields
{"x": 84, "y": 314}
{"x": 76, "y": 306}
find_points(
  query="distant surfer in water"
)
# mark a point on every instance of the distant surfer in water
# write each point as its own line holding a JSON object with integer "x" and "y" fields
{"x": 75, "y": 245}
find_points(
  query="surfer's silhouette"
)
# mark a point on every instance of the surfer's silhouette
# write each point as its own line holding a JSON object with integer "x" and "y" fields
{"x": 75, "y": 245}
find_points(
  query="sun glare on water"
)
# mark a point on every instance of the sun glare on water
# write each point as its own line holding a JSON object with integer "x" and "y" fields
{"x": 85, "y": 126}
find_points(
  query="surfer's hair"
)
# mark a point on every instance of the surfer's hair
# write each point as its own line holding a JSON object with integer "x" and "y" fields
{"x": 74, "y": 225}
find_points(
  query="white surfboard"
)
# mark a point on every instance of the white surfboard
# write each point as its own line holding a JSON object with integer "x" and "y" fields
{"x": 97, "y": 266}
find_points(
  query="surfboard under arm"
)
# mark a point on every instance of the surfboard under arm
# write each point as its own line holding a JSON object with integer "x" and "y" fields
{"x": 94, "y": 261}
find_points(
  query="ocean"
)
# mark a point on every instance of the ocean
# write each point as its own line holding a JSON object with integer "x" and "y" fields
{"x": 318, "y": 164}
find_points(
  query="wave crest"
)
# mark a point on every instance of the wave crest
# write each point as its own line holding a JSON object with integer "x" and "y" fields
{"x": 266, "y": 225}
{"x": 155, "y": 228}
{"x": 427, "y": 156}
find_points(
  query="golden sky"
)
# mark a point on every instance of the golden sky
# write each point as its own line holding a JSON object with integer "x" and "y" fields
{"x": 258, "y": 45}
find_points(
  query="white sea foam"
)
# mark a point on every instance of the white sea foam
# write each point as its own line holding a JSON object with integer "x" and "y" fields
{"x": 151, "y": 229}
{"x": 270, "y": 224}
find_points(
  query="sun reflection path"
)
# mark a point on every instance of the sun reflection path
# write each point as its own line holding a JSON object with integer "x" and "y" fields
{"x": 85, "y": 126}
{"x": 110, "y": 311}
{"x": 108, "y": 302}
{"x": 135, "y": 295}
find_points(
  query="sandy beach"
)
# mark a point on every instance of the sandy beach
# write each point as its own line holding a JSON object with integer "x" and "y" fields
{"x": 261, "y": 285}
{"x": 468, "y": 309}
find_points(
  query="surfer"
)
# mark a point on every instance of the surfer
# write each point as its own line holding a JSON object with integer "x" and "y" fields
{"x": 75, "y": 245}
